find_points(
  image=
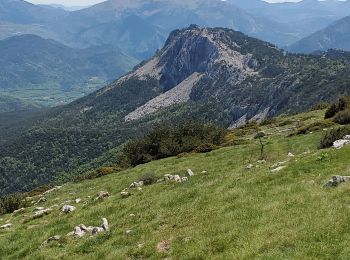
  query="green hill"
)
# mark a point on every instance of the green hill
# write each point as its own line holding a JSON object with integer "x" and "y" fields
{"x": 225, "y": 211}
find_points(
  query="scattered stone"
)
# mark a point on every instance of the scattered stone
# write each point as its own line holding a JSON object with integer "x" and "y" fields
{"x": 204, "y": 172}
{"x": 54, "y": 238}
{"x": 190, "y": 173}
{"x": 97, "y": 230}
{"x": 163, "y": 246}
{"x": 38, "y": 209}
{"x": 6, "y": 226}
{"x": 125, "y": 194}
{"x": 42, "y": 199}
{"x": 128, "y": 232}
{"x": 41, "y": 213}
{"x": 249, "y": 166}
{"x": 177, "y": 178}
{"x": 278, "y": 169}
{"x": 276, "y": 165}
{"x": 52, "y": 190}
{"x": 102, "y": 195}
{"x": 168, "y": 177}
{"x": 336, "y": 180}
{"x": 132, "y": 215}
{"x": 77, "y": 200}
{"x": 136, "y": 184}
{"x": 139, "y": 188}
{"x": 68, "y": 208}
{"x": 291, "y": 155}
{"x": 17, "y": 211}
{"x": 104, "y": 224}
{"x": 140, "y": 245}
{"x": 183, "y": 179}
{"x": 340, "y": 143}
{"x": 261, "y": 161}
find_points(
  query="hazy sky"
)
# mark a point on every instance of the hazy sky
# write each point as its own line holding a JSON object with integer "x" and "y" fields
{"x": 91, "y": 2}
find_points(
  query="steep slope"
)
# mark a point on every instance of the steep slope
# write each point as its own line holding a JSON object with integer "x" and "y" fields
{"x": 335, "y": 36}
{"x": 10, "y": 104}
{"x": 205, "y": 74}
{"x": 211, "y": 216}
{"x": 48, "y": 73}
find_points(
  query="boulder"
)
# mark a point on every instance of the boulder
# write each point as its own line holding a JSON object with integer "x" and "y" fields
{"x": 68, "y": 208}
{"x": 17, "y": 211}
{"x": 125, "y": 194}
{"x": 177, "y": 178}
{"x": 278, "y": 169}
{"x": 77, "y": 200}
{"x": 102, "y": 195}
{"x": 249, "y": 166}
{"x": 52, "y": 190}
{"x": 184, "y": 179}
{"x": 336, "y": 180}
{"x": 38, "y": 209}
{"x": 104, "y": 224}
{"x": 340, "y": 143}
{"x": 128, "y": 232}
{"x": 291, "y": 155}
{"x": 41, "y": 213}
{"x": 42, "y": 199}
{"x": 136, "y": 184}
{"x": 97, "y": 230}
{"x": 190, "y": 173}
{"x": 6, "y": 226}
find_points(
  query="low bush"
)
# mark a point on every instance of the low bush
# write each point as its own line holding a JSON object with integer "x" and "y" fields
{"x": 148, "y": 178}
{"x": 342, "y": 117}
{"x": 94, "y": 174}
{"x": 166, "y": 141}
{"x": 316, "y": 126}
{"x": 332, "y": 135}
{"x": 10, "y": 203}
{"x": 342, "y": 104}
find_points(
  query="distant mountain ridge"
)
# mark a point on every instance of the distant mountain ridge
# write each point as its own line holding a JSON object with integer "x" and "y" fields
{"x": 335, "y": 36}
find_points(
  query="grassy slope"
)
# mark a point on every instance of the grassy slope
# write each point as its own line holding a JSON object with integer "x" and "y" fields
{"x": 228, "y": 213}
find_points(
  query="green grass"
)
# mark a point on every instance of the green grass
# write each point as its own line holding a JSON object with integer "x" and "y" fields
{"x": 228, "y": 213}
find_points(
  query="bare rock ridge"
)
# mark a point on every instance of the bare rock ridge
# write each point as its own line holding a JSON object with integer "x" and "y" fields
{"x": 189, "y": 56}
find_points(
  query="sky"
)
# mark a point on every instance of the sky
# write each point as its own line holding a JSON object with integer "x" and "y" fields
{"x": 91, "y": 2}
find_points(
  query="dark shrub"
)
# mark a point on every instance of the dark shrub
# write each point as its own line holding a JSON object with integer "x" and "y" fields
{"x": 332, "y": 135}
{"x": 320, "y": 106}
{"x": 94, "y": 174}
{"x": 10, "y": 203}
{"x": 342, "y": 117}
{"x": 165, "y": 141}
{"x": 316, "y": 126}
{"x": 340, "y": 105}
{"x": 148, "y": 178}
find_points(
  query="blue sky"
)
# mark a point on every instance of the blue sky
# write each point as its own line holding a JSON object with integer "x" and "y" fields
{"x": 91, "y": 2}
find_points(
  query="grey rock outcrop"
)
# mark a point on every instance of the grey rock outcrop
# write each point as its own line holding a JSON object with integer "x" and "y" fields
{"x": 68, "y": 208}
{"x": 336, "y": 180}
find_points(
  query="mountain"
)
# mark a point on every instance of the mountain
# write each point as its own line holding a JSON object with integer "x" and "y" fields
{"x": 9, "y": 104}
{"x": 46, "y": 72}
{"x": 335, "y": 36}
{"x": 20, "y": 17}
{"x": 139, "y": 28}
{"x": 206, "y": 74}
{"x": 305, "y": 17}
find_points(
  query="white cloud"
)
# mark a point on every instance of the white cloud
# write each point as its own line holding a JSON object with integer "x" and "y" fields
{"x": 67, "y": 2}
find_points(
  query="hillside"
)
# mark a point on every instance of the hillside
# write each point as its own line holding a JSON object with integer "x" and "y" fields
{"x": 8, "y": 104}
{"x": 208, "y": 74}
{"x": 45, "y": 72}
{"x": 225, "y": 211}
{"x": 335, "y": 36}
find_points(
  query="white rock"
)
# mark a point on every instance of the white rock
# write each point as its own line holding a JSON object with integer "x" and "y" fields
{"x": 125, "y": 194}
{"x": 177, "y": 178}
{"x": 261, "y": 161}
{"x": 77, "y": 200}
{"x": 57, "y": 237}
{"x": 41, "y": 213}
{"x": 18, "y": 211}
{"x": 105, "y": 224}
{"x": 278, "y": 169}
{"x": 204, "y": 172}
{"x": 136, "y": 184}
{"x": 102, "y": 195}
{"x": 38, "y": 208}
{"x": 190, "y": 173}
{"x": 52, "y": 190}
{"x": 184, "y": 179}
{"x": 68, "y": 208}
{"x": 340, "y": 143}
{"x": 291, "y": 155}
{"x": 97, "y": 230}
{"x": 249, "y": 166}
{"x": 132, "y": 215}
{"x": 6, "y": 226}
{"x": 336, "y": 180}
{"x": 128, "y": 232}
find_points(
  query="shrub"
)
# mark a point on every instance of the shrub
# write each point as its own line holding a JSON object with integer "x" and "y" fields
{"x": 332, "y": 135}
{"x": 342, "y": 117}
{"x": 148, "y": 178}
{"x": 165, "y": 141}
{"x": 320, "y": 106}
{"x": 94, "y": 174}
{"x": 10, "y": 203}
{"x": 316, "y": 126}
{"x": 340, "y": 105}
